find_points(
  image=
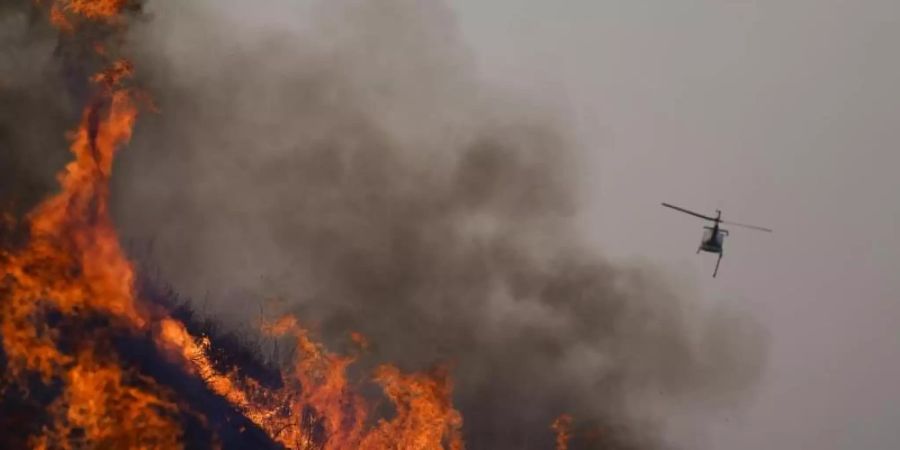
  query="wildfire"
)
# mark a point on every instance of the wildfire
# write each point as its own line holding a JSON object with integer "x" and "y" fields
{"x": 68, "y": 295}
{"x": 109, "y": 412}
{"x": 73, "y": 266}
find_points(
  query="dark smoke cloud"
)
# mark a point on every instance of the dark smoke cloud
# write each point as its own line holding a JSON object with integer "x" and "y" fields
{"x": 34, "y": 108}
{"x": 358, "y": 174}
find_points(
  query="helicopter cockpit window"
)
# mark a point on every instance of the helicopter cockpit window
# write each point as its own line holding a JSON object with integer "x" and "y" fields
{"x": 707, "y": 235}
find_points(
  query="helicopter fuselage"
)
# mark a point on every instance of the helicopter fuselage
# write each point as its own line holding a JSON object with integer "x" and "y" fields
{"x": 714, "y": 237}
{"x": 713, "y": 240}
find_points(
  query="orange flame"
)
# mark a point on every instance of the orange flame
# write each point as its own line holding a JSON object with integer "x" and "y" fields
{"x": 563, "y": 428}
{"x": 73, "y": 264}
{"x": 360, "y": 340}
{"x": 62, "y": 12}
{"x": 110, "y": 413}
{"x": 65, "y": 15}
{"x": 425, "y": 417}
{"x": 73, "y": 258}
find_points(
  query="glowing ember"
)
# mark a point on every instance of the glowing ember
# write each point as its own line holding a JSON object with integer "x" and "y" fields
{"x": 563, "y": 427}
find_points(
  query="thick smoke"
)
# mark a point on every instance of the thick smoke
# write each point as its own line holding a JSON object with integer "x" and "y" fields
{"x": 34, "y": 107}
{"x": 355, "y": 172}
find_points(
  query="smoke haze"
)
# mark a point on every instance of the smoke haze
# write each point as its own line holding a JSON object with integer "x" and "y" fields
{"x": 355, "y": 172}
{"x": 32, "y": 111}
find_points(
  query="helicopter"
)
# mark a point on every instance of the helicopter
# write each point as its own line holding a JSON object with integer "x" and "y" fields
{"x": 714, "y": 236}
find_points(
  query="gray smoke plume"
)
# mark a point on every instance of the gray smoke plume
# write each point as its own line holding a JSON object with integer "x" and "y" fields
{"x": 355, "y": 172}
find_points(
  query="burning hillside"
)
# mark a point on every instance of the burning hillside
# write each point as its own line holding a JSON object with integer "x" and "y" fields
{"x": 72, "y": 326}
{"x": 449, "y": 254}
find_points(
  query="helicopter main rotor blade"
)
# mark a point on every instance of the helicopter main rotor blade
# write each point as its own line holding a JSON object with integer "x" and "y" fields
{"x": 687, "y": 211}
{"x": 752, "y": 227}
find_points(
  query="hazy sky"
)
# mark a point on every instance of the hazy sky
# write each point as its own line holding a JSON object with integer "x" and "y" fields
{"x": 785, "y": 114}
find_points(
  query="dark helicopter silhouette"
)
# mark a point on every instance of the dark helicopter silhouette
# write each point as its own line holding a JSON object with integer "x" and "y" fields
{"x": 714, "y": 236}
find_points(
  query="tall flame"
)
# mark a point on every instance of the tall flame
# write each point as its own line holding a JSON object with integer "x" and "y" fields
{"x": 73, "y": 265}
